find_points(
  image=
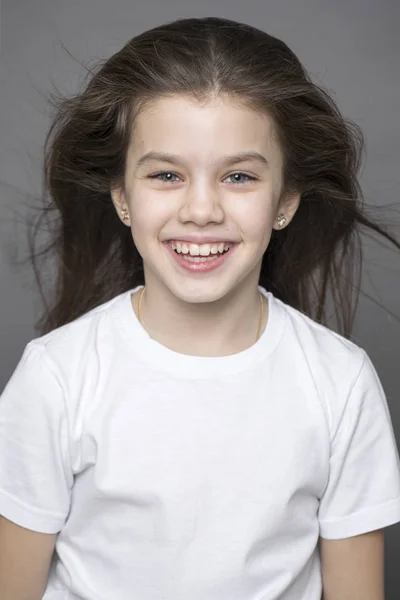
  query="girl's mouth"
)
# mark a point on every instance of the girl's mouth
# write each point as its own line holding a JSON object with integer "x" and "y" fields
{"x": 200, "y": 258}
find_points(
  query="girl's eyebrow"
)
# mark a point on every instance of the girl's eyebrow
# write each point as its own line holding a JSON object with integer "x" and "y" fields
{"x": 228, "y": 160}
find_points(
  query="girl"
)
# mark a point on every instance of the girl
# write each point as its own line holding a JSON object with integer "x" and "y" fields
{"x": 187, "y": 426}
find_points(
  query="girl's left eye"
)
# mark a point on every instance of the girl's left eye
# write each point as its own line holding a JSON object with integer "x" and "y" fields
{"x": 163, "y": 173}
{"x": 249, "y": 177}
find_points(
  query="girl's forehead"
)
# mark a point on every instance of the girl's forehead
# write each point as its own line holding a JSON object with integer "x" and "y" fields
{"x": 177, "y": 124}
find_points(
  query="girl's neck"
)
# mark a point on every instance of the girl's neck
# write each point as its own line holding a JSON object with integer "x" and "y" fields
{"x": 220, "y": 328}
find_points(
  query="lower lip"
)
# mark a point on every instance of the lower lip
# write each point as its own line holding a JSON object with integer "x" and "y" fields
{"x": 210, "y": 264}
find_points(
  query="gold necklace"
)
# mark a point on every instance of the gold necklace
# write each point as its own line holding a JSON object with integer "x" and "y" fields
{"x": 260, "y": 320}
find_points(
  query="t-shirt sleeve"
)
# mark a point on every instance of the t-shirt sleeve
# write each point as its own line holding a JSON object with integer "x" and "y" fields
{"x": 35, "y": 472}
{"x": 363, "y": 490}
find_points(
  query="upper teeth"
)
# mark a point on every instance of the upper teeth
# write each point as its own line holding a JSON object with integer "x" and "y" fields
{"x": 199, "y": 249}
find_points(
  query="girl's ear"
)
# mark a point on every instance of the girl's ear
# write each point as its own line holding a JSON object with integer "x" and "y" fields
{"x": 287, "y": 208}
{"x": 118, "y": 199}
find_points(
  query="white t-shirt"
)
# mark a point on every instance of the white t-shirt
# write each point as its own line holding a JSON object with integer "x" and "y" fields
{"x": 171, "y": 477}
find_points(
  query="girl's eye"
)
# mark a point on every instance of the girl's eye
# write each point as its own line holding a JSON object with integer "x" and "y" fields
{"x": 169, "y": 180}
{"x": 249, "y": 178}
{"x": 162, "y": 174}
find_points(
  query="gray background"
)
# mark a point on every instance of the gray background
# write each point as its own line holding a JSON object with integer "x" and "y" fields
{"x": 351, "y": 47}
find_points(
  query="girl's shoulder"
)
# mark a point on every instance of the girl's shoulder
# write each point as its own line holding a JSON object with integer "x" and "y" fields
{"x": 327, "y": 354}
{"x": 77, "y": 343}
{"x": 310, "y": 331}
{"x": 336, "y": 371}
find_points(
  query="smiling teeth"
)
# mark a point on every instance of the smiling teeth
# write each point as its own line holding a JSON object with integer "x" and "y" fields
{"x": 200, "y": 249}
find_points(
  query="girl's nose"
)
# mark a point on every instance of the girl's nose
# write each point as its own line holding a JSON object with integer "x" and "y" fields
{"x": 202, "y": 207}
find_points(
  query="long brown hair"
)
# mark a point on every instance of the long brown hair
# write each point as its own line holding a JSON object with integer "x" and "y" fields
{"x": 315, "y": 259}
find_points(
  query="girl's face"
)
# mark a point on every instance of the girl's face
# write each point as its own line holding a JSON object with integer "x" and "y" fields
{"x": 219, "y": 182}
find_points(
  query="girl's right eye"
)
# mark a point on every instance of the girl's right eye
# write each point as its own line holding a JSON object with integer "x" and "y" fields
{"x": 161, "y": 174}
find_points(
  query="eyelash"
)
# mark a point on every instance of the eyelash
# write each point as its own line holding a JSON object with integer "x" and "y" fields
{"x": 157, "y": 175}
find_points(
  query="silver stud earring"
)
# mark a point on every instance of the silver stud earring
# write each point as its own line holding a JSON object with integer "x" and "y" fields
{"x": 281, "y": 220}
